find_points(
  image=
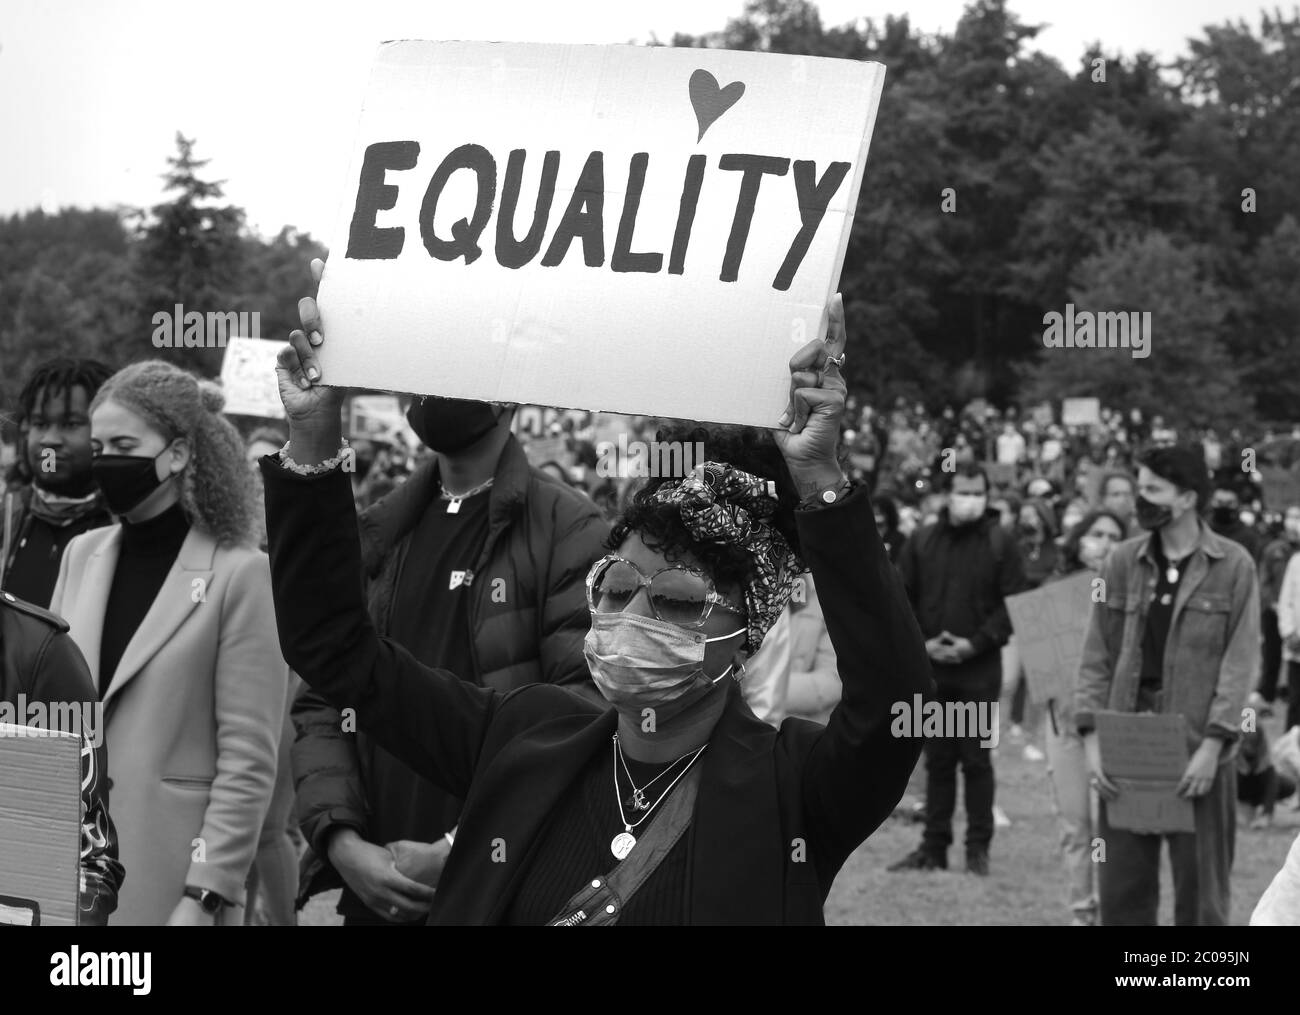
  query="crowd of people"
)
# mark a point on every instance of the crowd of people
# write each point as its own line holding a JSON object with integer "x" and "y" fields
{"x": 386, "y": 670}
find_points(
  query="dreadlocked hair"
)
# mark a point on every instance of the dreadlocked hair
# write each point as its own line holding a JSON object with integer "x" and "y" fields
{"x": 660, "y": 525}
{"x": 217, "y": 492}
{"x": 61, "y": 374}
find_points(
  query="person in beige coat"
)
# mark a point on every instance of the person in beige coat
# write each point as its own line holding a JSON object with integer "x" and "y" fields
{"x": 172, "y": 609}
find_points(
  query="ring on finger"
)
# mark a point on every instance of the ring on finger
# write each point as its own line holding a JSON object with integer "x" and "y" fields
{"x": 837, "y": 360}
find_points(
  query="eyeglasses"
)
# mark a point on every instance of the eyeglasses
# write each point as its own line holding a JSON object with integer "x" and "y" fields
{"x": 677, "y": 595}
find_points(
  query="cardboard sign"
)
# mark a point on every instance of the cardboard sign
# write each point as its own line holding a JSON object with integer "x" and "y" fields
{"x": 1145, "y": 755}
{"x": 248, "y": 378}
{"x": 1050, "y": 624}
{"x": 1081, "y": 411}
{"x": 1281, "y": 487}
{"x": 600, "y": 227}
{"x": 1003, "y": 476}
{"x": 541, "y": 450}
{"x": 40, "y": 826}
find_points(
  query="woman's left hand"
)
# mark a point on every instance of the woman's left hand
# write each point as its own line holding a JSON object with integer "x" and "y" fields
{"x": 809, "y": 431}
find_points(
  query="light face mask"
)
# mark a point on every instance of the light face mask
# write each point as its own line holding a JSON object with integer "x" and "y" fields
{"x": 640, "y": 662}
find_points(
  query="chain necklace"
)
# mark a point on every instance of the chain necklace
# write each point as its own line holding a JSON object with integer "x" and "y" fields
{"x": 621, "y": 845}
{"x": 637, "y": 800}
{"x": 455, "y": 498}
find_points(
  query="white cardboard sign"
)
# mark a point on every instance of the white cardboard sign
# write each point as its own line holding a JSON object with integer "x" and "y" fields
{"x": 248, "y": 378}
{"x": 645, "y": 230}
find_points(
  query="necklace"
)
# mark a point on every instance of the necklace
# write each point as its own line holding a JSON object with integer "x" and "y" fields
{"x": 637, "y": 799}
{"x": 455, "y": 498}
{"x": 621, "y": 845}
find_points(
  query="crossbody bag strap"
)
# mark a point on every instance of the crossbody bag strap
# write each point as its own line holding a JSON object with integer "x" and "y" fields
{"x": 601, "y": 901}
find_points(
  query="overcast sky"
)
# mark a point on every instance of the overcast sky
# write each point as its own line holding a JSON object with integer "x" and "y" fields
{"x": 94, "y": 90}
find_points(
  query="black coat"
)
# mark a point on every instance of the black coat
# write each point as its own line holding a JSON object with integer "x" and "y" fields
{"x": 778, "y": 812}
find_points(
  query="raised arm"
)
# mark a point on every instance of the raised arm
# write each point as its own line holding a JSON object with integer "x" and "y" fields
{"x": 856, "y": 770}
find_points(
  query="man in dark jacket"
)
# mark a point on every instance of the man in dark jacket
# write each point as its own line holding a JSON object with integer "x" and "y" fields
{"x": 1225, "y": 519}
{"x": 476, "y": 565}
{"x": 38, "y": 520}
{"x": 957, "y": 572}
{"x": 42, "y": 671}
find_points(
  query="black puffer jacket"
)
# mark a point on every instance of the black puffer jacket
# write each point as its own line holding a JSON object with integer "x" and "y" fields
{"x": 39, "y": 661}
{"x": 542, "y": 540}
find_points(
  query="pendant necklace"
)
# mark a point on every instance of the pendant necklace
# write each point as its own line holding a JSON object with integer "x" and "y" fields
{"x": 637, "y": 801}
{"x": 621, "y": 845}
{"x": 455, "y": 499}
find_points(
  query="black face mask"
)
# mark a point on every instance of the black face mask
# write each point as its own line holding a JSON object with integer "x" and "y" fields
{"x": 1223, "y": 515}
{"x": 126, "y": 480}
{"x": 451, "y": 424}
{"x": 1153, "y": 516}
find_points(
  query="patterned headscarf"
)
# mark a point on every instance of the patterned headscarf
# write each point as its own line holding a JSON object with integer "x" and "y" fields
{"x": 722, "y": 504}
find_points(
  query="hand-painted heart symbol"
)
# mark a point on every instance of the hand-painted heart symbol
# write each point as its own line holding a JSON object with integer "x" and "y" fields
{"x": 710, "y": 101}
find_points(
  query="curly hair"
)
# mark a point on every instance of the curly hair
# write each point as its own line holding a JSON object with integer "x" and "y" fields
{"x": 660, "y": 526}
{"x": 217, "y": 492}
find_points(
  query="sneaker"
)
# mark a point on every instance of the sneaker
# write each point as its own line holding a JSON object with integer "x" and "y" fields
{"x": 977, "y": 862}
{"x": 1032, "y": 753}
{"x": 921, "y": 860}
{"x": 1000, "y": 819}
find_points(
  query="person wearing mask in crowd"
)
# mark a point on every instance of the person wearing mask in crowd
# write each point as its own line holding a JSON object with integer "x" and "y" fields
{"x": 1036, "y": 531}
{"x": 1259, "y": 784}
{"x": 1011, "y": 445}
{"x": 40, "y": 664}
{"x": 1288, "y": 629}
{"x": 1177, "y": 632}
{"x": 61, "y": 501}
{"x": 698, "y": 569}
{"x": 172, "y": 610}
{"x": 1086, "y": 548}
{"x": 1272, "y": 569}
{"x": 476, "y": 566}
{"x": 1115, "y": 494}
{"x": 1226, "y": 521}
{"x": 273, "y": 880}
{"x": 887, "y": 525}
{"x": 957, "y": 572}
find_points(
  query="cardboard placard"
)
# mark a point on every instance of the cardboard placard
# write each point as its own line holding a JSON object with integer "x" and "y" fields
{"x": 1050, "y": 624}
{"x": 1145, "y": 755}
{"x": 248, "y": 378}
{"x": 1281, "y": 487}
{"x": 600, "y": 227}
{"x": 541, "y": 450}
{"x": 1003, "y": 476}
{"x": 1081, "y": 411}
{"x": 40, "y": 826}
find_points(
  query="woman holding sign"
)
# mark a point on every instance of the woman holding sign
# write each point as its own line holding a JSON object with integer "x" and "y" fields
{"x": 673, "y": 805}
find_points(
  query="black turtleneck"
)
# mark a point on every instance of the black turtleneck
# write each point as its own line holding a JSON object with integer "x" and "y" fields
{"x": 147, "y": 553}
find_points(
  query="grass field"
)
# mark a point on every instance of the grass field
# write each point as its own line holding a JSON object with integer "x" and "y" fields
{"x": 1025, "y": 884}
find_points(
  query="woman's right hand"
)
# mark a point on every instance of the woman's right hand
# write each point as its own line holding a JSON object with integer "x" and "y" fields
{"x": 371, "y": 872}
{"x": 312, "y": 408}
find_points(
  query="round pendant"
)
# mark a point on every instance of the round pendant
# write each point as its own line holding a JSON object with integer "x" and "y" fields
{"x": 622, "y": 845}
{"x": 1171, "y": 575}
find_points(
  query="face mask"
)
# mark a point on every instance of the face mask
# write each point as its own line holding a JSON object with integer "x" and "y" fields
{"x": 966, "y": 507}
{"x": 1153, "y": 516}
{"x": 450, "y": 424}
{"x": 640, "y": 662}
{"x": 126, "y": 480}
{"x": 1223, "y": 514}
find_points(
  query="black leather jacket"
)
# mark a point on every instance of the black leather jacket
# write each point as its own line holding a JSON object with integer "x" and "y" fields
{"x": 41, "y": 662}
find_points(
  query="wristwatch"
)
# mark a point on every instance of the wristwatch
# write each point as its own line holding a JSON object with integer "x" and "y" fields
{"x": 209, "y": 901}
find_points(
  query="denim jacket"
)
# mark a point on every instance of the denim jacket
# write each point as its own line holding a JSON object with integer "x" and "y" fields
{"x": 1210, "y": 657}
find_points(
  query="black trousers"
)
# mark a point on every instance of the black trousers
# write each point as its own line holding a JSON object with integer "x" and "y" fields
{"x": 979, "y": 680}
{"x": 1271, "y": 656}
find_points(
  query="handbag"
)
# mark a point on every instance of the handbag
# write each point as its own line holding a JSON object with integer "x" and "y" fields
{"x": 601, "y": 901}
